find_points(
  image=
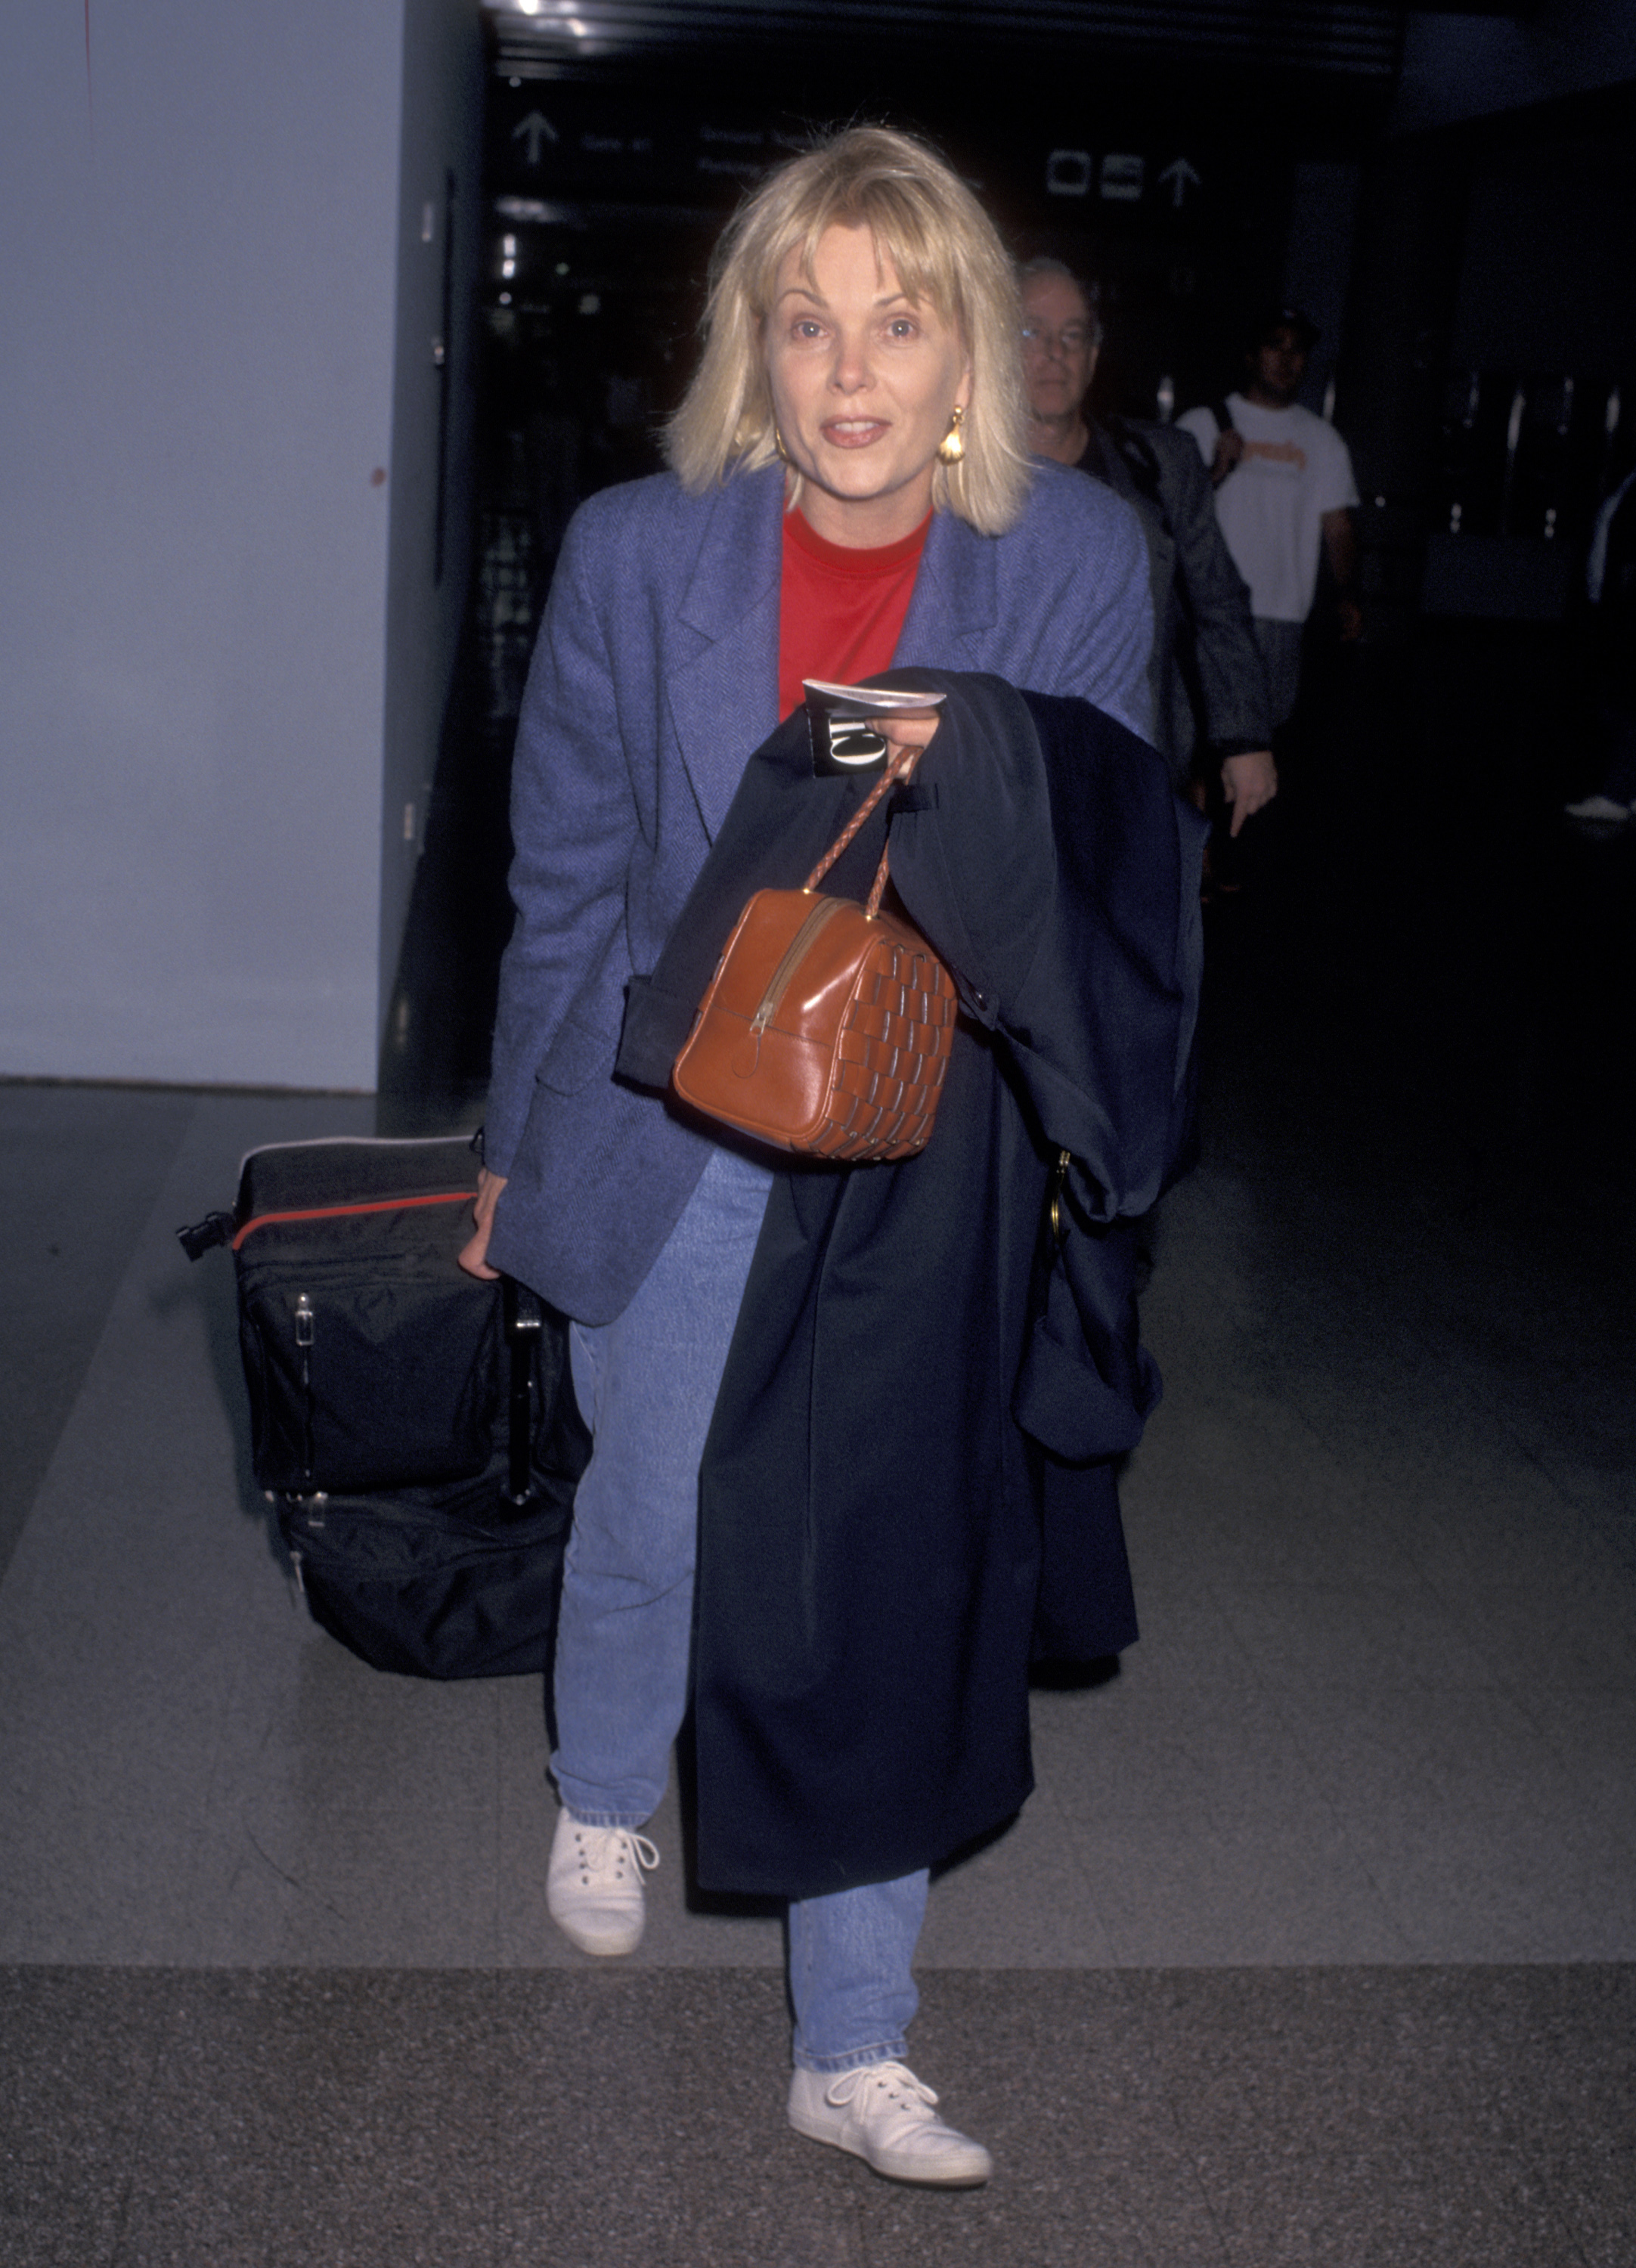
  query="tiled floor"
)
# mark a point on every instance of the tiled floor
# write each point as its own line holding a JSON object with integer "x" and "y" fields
{"x": 1315, "y": 1946}
{"x": 1220, "y": 2118}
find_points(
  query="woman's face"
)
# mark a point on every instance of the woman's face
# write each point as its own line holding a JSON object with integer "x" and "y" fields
{"x": 863, "y": 381}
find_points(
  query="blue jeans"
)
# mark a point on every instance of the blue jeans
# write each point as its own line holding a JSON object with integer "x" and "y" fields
{"x": 647, "y": 1385}
{"x": 852, "y": 1981}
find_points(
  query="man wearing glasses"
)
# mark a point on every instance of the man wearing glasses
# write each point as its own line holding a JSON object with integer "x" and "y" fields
{"x": 1206, "y": 658}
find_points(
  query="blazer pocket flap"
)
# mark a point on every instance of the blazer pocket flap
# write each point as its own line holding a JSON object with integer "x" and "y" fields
{"x": 574, "y": 1058}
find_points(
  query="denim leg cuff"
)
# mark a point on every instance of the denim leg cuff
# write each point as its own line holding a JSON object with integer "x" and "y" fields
{"x": 629, "y": 1820}
{"x": 856, "y": 2059}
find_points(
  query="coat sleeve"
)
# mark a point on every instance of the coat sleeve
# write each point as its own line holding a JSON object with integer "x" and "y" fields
{"x": 574, "y": 822}
{"x": 1044, "y": 856}
{"x": 1202, "y": 425}
{"x": 1232, "y": 677}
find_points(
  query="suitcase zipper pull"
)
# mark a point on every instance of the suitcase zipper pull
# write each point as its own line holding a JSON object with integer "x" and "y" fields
{"x": 303, "y": 1322}
{"x": 524, "y": 1322}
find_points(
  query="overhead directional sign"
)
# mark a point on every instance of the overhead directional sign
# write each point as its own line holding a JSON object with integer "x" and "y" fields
{"x": 1123, "y": 177}
{"x": 533, "y": 130}
{"x": 1124, "y": 174}
{"x": 1181, "y": 177}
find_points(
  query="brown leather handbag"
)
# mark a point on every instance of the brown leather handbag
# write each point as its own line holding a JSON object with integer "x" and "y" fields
{"x": 828, "y": 1025}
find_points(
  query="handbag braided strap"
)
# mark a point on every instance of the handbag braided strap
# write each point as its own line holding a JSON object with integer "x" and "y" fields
{"x": 896, "y": 773}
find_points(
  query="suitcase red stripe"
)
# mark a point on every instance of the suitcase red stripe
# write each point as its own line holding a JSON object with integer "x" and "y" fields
{"x": 338, "y": 1213}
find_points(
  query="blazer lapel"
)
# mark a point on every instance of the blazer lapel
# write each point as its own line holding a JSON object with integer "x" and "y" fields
{"x": 723, "y": 690}
{"x": 955, "y": 598}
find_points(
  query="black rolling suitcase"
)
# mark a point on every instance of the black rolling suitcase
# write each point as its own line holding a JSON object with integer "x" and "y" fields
{"x": 416, "y": 1429}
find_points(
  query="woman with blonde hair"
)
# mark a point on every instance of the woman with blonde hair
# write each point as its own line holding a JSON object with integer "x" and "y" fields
{"x": 850, "y": 494}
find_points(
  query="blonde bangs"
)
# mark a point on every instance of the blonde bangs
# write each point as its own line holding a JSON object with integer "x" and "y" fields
{"x": 901, "y": 241}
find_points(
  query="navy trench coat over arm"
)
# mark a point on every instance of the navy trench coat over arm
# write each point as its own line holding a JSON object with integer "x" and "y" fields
{"x": 909, "y": 1472}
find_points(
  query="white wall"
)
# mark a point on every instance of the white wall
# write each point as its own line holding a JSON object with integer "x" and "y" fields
{"x": 442, "y": 143}
{"x": 200, "y": 251}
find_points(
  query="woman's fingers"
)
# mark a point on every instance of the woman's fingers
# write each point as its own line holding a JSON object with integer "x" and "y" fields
{"x": 473, "y": 1254}
{"x": 912, "y": 729}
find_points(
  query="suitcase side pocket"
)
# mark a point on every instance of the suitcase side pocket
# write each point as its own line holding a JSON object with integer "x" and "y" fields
{"x": 358, "y": 1386}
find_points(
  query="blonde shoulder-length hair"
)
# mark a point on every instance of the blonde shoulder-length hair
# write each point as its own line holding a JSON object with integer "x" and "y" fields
{"x": 945, "y": 251}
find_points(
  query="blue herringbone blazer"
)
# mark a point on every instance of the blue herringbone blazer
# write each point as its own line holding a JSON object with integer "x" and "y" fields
{"x": 654, "y": 678}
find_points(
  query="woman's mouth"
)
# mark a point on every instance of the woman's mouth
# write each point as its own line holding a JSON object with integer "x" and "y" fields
{"x": 852, "y": 432}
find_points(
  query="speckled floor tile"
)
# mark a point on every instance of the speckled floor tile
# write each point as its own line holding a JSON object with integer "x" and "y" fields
{"x": 1180, "y": 2118}
{"x": 79, "y": 2053}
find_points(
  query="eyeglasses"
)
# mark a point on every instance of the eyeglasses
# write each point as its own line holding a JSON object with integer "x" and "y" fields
{"x": 1073, "y": 338}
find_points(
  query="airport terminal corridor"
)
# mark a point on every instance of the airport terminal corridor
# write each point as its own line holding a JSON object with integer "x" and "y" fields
{"x": 1316, "y": 1945}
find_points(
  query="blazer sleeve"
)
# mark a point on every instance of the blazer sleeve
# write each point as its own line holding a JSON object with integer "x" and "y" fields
{"x": 574, "y": 820}
{"x": 1232, "y": 676}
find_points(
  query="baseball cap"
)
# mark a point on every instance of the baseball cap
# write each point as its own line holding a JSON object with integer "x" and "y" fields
{"x": 1271, "y": 319}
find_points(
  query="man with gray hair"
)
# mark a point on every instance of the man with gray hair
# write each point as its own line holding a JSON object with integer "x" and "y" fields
{"x": 1206, "y": 658}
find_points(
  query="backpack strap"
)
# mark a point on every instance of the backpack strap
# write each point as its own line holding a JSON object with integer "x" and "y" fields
{"x": 1140, "y": 461}
{"x": 1223, "y": 416}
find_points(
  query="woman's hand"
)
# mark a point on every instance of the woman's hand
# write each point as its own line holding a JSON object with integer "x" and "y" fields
{"x": 904, "y": 730}
{"x": 473, "y": 1256}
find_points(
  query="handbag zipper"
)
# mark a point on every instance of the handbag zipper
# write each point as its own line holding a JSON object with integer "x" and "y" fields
{"x": 779, "y": 983}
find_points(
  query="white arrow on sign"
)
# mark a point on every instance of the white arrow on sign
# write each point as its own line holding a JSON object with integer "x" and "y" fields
{"x": 1183, "y": 175}
{"x": 536, "y": 127}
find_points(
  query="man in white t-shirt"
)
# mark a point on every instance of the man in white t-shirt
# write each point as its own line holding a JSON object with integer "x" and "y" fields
{"x": 1284, "y": 492}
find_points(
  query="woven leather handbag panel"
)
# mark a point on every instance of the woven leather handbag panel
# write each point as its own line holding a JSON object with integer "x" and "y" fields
{"x": 823, "y": 1030}
{"x": 894, "y": 1050}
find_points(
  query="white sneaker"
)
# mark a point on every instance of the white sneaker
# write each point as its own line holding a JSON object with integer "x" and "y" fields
{"x": 593, "y": 1888}
{"x": 1597, "y": 806}
{"x": 884, "y": 2114}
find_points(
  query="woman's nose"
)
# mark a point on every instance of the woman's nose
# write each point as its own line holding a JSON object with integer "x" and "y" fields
{"x": 850, "y": 372}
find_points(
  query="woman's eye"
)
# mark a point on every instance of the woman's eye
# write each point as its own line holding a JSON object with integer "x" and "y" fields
{"x": 902, "y": 326}
{"x": 805, "y": 327}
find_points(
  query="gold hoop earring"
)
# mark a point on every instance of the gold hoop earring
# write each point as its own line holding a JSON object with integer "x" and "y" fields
{"x": 952, "y": 447}
{"x": 785, "y": 457}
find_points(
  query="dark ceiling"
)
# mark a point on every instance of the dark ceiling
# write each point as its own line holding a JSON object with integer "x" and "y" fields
{"x": 1360, "y": 38}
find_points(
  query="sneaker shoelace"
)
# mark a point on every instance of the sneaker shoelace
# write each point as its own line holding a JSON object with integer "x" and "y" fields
{"x": 602, "y": 1853}
{"x": 903, "y": 2093}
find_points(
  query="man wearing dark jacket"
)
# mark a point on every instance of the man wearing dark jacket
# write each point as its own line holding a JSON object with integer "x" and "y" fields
{"x": 1203, "y": 633}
